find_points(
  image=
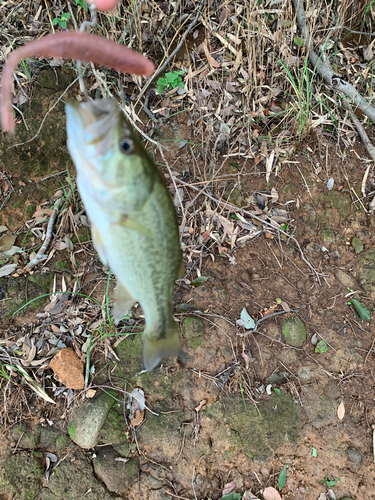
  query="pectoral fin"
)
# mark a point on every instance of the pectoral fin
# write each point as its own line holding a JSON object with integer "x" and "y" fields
{"x": 181, "y": 271}
{"x": 123, "y": 302}
{"x": 134, "y": 225}
{"x": 98, "y": 243}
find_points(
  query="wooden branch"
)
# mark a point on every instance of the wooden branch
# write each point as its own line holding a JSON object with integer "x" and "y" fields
{"x": 42, "y": 250}
{"x": 323, "y": 68}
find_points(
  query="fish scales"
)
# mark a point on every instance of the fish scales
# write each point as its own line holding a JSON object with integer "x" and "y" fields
{"x": 134, "y": 225}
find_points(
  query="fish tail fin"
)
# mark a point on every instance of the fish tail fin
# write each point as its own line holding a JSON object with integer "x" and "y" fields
{"x": 156, "y": 348}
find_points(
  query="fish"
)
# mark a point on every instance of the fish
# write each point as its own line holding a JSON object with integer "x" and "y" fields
{"x": 133, "y": 220}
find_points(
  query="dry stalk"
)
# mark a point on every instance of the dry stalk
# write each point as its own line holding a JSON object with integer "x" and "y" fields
{"x": 41, "y": 253}
{"x": 245, "y": 212}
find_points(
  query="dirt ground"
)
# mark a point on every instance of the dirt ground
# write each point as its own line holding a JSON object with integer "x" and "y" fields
{"x": 237, "y": 406}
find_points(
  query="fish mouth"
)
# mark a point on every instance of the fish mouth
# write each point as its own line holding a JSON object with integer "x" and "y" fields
{"x": 94, "y": 122}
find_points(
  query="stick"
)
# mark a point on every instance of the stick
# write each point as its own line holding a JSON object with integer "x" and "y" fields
{"x": 324, "y": 70}
{"x": 41, "y": 254}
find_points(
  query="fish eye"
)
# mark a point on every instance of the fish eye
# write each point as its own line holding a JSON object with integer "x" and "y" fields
{"x": 126, "y": 145}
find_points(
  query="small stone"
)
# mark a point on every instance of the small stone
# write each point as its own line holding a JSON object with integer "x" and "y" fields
{"x": 200, "y": 480}
{"x": 357, "y": 245}
{"x": 304, "y": 373}
{"x": 354, "y": 455}
{"x": 279, "y": 378}
{"x": 193, "y": 329}
{"x": 68, "y": 369}
{"x": 327, "y": 236}
{"x": 155, "y": 484}
{"x": 294, "y": 332}
{"x": 345, "y": 279}
{"x": 313, "y": 249}
{"x": 49, "y": 436}
{"x": 87, "y": 421}
{"x": 265, "y": 471}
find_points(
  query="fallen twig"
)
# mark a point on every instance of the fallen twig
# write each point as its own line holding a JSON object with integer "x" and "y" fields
{"x": 324, "y": 70}
{"x": 361, "y": 131}
{"x": 41, "y": 253}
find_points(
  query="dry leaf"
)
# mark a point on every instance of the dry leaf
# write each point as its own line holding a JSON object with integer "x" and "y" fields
{"x": 245, "y": 356}
{"x": 60, "y": 245}
{"x": 341, "y": 411}
{"x": 137, "y": 418}
{"x": 109, "y": 347}
{"x": 230, "y": 487}
{"x": 43, "y": 213}
{"x": 271, "y": 494}
{"x": 210, "y": 59}
{"x": 274, "y": 194}
{"x": 7, "y": 241}
{"x": 7, "y": 270}
{"x": 285, "y": 306}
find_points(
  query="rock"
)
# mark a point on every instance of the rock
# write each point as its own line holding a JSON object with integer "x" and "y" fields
{"x": 12, "y": 293}
{"x": 354, "y": 455}
{"x": 86, "y": 423}
{"x": 193, "y": 330}
{"x": 68, "y": 369}
{"x": 341, "y": 202}
{"x": 235, "y": 197}
{"x": 366, "y": 270}
{"x": 72, "y": 479}
{"x": 345, "y": 279}
{"x": 20, "y": 476}
{"x": 48, "y": 149}
{"x": 117, "y": 473}
{"x": 155, "y": 484}
{"x": 294, "y": 332}
{"x": 313, "y": 249}
{"x": 318, "y": 406}
{"x": 235, "y": 430}
{"x": 357, "y": 245}
{"x": 114, "y": 428}
{"x": 327, "y": 236}
{"x": 49, "y": 436}
{"x": 304, "y": 373}
{"x": 25, "y": 437}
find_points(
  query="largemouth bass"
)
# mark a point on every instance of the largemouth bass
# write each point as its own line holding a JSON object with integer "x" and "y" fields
{"x": 133, "y": 221}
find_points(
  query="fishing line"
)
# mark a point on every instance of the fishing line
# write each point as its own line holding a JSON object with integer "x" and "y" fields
{"x": 82, "y": 28}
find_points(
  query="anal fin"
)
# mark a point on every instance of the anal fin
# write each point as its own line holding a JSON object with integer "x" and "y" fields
{"x": 123, "y": 302}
